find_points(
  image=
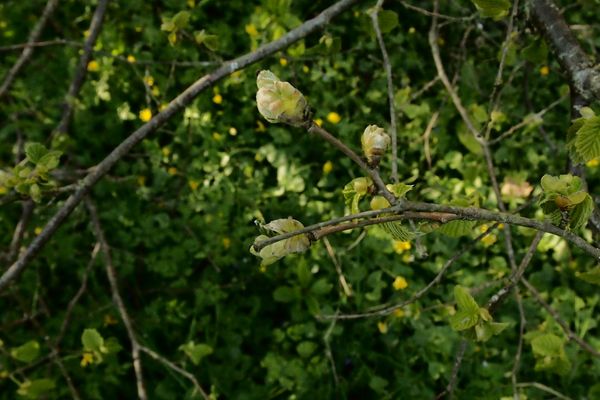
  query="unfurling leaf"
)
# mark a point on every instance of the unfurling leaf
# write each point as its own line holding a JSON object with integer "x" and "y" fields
{"x": 492, "y": 8}
{"x": 275, "y": 251}
{"x": 457, "y": 228}
{"x": 587, "y": 141}
{"x": 374, "y": 142}
{"x": 592, "y": 276}
{"x": 279, "y": 101}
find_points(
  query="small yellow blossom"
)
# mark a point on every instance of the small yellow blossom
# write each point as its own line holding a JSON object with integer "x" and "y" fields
{"x": 400, "y": 283}
{"x": 500, "y": 226}
{"x": 109, "y": 320}
{"x": 86, "y": 33}
{"x": 193, "y": 184}
{"x": 489, "y": 240}
{"x": 594, "y": 162}
{"x": 251, "y": 30}
{"x": 37, "y": 230}
{"x": 260, "y": 127}
{"x": 163, "y": 106}
{"x": 191, "y": 3}
{"x": 149, "y": 80}
{"x": 327, "y": 167}
{"x": 305, "y": 69}
{"x": 382, "y": 326}
{"x": 483, "y": 228}
{"x": 232, "y": 131}
{"x": 399, "y": 313}
{"x": 217, "y": 99}
{"x": 283, "y": 61}
{"x": 166, "y": 151}
{"x": 172, "y": 171}
{"x": 86, "y": 359}
{"x": 334, "y": 117}
{"x": 141, "y": 180}
{"x": 145, "y": 115}
{"x": 412, "y": 30}
{"x": 401, "y": 246}
{"x": 319, "y": 122}
{"x": 93, "y": 66}
{"x": 544, "y": 71}
{"x": 226, "y": 242}
{"x": 155, "y": 91}
{"x": 130, "y": 59}
{"x": 172, "y": 38}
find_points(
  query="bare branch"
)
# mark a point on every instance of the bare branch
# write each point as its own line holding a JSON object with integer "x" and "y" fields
{"x": 10, "y": 77}
{"x": 176, "y": 105}
{"x": 81, "y": 70}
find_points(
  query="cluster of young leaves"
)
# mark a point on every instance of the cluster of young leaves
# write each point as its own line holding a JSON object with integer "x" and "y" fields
{"x": 565, "y": 202}
{"x": 476, "y": 322}
{"x": 30, "y": 177}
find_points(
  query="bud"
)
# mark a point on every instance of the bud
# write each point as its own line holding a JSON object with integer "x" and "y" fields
{"x": 379, "y": 202}
{"x": 374, "y": 143}
{"x": 279, "y": 101}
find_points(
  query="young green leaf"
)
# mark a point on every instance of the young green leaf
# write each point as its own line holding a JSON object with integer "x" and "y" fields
{"x": 27, "y": 352}
{"x": 587, "y": 141}
{"x": 592, "y": 276}
{"x": 35, "y": 151}
{"x": 493, "y": 8}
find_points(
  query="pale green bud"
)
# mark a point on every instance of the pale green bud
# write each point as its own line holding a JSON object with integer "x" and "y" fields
{"x": 374, "y": 143}
{"x": 279, "y": 101}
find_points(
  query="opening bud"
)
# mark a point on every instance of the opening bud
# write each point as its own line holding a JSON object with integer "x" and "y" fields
{"x": 374, "y": 143}
{"x": 279, "y": 101}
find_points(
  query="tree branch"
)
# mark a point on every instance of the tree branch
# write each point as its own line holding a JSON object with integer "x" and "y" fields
{"x": 176, "y": 105}
{"x": 10, "y": 77}
{"x": 585, "y": 79}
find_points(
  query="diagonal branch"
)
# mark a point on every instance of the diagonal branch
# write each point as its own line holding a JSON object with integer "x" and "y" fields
{"x": 81, "y": 70}
{"x": 176, "y": 105}
{"x": 585, "y": 79}
{"x": 28, "y": 50}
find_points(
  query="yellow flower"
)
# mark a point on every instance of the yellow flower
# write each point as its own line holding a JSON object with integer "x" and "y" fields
{"x": 217, "y": 99}
{"x": 86, "y": 33}
{"x": 93, "y": 66}
{"x": 141, "y": 180}
{"x": 166, "y": 151}
{"x": 86, "y": 359}
{"x": 593, "y": 162}
{"x": 401, "y": 246}
{"x": 149, "y": 80}
{"x": 172, "y": 38}
{"x": 411, "y": 30}
{"x": 232, "y": 131}
{"x": 319, "y": 122}
{"x": 489, "y": 240}
{"x": 382, "y": 326}
{"x": 305, "y": 69}
{"x": 145, "y": 115}
{"x": 283, "y": 61}
{"x": 327, "y": 167}
{"x": 226, "y": 242}
{"x": 544, "y": 70}
{"x": 334, "y": 117}
{"x": 109, "y": 320}
{"x": 130, "y": 59}
{"x": 400, "y": 283}
{"x": 37, "y": 230}
{"x": 251, "y": 30}
{"x": 483, "y": 228}
{"x": 155, "y": 91}
{"x": 399, "y": 313}
{"x": 172, "y": 171}
{"x": 191, "y": 3}
{"x": 193, "y": 184}
{"x": 500, "y": 226}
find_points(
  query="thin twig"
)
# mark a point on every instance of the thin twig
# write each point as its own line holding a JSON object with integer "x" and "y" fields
{"x": 10, "y": 77}
{"x": 458, "y": 358}
{"x": 15, "y": 243}
{"x": 338, "y": 267}
{"x": 81, "y": 70}
{"x": 328, "y": 352}
{"x": 544, "y": 388}
{"x": 118, "y": 300}
{"x": 45, "y": 43}
{"x": 176, "y": 105}
{"x": 438, "y": 278}
{"x": 177, "y": 369}
{"x": 522, "y": 325}
{"x": 565, "y": 327}
{"x": 390, "y": 87}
